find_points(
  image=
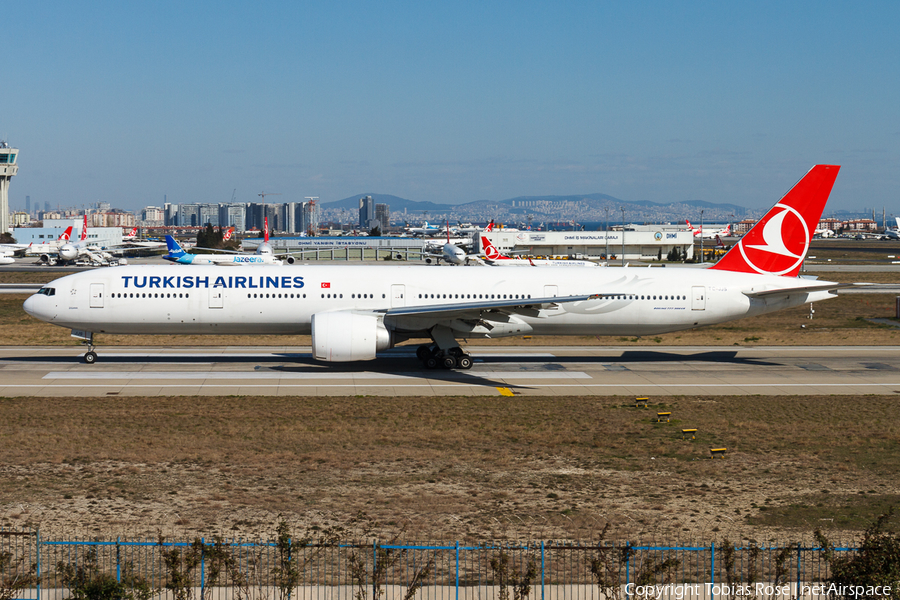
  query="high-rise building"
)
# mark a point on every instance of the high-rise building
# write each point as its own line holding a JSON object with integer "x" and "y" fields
{"x": 209, "y": 215}
{"x": 288, "y": 217}
{"x": 367, "y": 213}
{"x": 233, "y": 215}
{"x": 189, "y": 215}
{"x": 28, "y": 204}
{"x": 383, "y": 214}
{"x": 8, "y": 168}
{"x": 171, "y": 212}
{"x": 47, "y": 206}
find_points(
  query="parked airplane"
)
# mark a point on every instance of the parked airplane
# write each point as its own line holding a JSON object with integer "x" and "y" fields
{"x": 891, "y": 234}
{"x": 426, "y": 229}
{"x": 452, "y": 253}
{"x": 495, "y": 258}
{"x": 178, "y": 255}
{"x": 353, "y": 312}
{"x": 699, "y": 233}
{"x": 45, "y": 247}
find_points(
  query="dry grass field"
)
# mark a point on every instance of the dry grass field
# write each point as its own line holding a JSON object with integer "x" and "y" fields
{"x": 460, "y": 468}
{"x": 449, "y": 468}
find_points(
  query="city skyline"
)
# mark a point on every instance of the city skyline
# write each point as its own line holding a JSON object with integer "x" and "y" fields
{"x": 647, "y": 102}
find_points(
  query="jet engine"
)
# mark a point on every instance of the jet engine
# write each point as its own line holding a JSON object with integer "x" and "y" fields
{"x": 345, "y": 336}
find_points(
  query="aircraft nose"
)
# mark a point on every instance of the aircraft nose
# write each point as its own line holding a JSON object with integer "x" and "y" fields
{"x": 30, "y": 305}
{"x": 37, "y": 306}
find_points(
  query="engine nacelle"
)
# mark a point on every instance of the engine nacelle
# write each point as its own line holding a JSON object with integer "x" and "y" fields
{"x": 346, "y": 336}
{"x": 290, "y": 260}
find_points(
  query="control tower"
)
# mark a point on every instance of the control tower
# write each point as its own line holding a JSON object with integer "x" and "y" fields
{"x": 8, "y": 168}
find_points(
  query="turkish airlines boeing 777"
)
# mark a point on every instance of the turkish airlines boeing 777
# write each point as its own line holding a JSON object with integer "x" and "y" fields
{"x": 353, "y": 312}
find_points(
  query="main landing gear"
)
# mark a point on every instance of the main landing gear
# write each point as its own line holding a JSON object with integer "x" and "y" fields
{"x": 445, "y": 353}
{"x": 433, "y": 357}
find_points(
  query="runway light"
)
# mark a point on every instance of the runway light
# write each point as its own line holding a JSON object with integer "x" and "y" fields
{"x": 714, "y": 452}
{"x": 691, "y": 432}
{"x": 641, "y": 402}
{"x": 663, "y": 415}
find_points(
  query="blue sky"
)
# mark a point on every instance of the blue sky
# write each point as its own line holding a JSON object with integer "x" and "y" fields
{"x": 450, "y": 102}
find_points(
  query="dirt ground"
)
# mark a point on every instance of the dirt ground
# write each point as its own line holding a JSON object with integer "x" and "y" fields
{"x": 434, "y": 469}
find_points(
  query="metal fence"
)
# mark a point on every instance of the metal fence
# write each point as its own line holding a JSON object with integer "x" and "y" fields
{"x": 297, "y": 570}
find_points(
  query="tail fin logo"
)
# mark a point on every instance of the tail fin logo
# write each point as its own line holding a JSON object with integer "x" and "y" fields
{"x": 489, "y": 250}
{"x": 771, "y": 249}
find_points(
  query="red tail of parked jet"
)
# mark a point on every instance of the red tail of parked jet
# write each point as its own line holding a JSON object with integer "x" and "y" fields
{"x": 778, "y": 243}
{"x": 490, "y": 251}
{"x": 84, "y": 229}
{"x": 65, "y": 235}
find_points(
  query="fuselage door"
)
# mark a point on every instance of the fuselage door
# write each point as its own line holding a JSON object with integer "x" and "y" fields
{"x": 96, "y": 295}
{"x": 698, "y": 297}
{"x": 398, "y": 295}
{"x": 217, "y": 298}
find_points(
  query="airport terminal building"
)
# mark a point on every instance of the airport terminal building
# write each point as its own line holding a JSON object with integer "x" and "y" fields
{"x": 641, "y": 242}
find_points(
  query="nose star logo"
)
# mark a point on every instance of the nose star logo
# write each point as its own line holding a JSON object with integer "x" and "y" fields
{"x": 768, "y": 250}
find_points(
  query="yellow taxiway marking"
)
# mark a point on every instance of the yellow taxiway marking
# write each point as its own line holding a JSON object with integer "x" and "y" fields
{"x": 505, "y": 391}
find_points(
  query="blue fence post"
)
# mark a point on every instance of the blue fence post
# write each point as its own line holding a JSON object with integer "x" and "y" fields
{"x": 374, "y": 568}
{"x": 457, "y": 569}
{"x": 37, "y": 544}
{"x": 712, "y": 570}
{"x": 118, "y": 561}
{"x": 202, "y": 568}
{"x": 799, "y": 548}
{"x": 627, "y": 566}
{"x": 542, "y": 569}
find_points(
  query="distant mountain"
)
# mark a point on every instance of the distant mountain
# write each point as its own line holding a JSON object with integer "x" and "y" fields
{"x": 552, "y": 207}
{"x": 395, "y": 202}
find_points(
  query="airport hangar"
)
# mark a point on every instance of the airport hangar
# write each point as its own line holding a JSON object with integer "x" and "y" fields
{"x": 53, "y": 228}
{"x": 642, "y": 242}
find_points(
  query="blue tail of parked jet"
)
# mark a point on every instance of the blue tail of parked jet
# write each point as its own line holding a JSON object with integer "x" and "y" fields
{"x": 175, "y": 250}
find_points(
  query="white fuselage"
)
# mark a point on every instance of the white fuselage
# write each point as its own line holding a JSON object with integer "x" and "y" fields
{"x": 168, "y": 299}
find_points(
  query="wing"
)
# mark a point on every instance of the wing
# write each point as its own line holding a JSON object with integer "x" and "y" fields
{"x": 470, "y": 310}
{"x": 817, "y": 287}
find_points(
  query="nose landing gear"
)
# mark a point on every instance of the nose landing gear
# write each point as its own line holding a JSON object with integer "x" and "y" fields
{"x": 87, "y": 338}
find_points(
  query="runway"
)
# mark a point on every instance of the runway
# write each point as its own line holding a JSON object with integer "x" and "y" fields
{"x": 498, "y": 370}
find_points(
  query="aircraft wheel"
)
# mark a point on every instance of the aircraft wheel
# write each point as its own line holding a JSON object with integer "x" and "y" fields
{"x": 457, "y": 352}
{"x": 423, "y": 352}
{"x": 431, "y": 362}
{"x": 464, "y": 362}
{"x": 90, "y": 357}
{"x": 448, "y": 362}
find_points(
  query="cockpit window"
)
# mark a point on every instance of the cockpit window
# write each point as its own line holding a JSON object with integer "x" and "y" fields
{"x": 47, "y": 291}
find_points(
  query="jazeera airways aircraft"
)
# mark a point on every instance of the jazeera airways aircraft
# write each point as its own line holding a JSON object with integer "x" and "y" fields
{"x": 355, "y": 311}
{"x": 178, "y": 255}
